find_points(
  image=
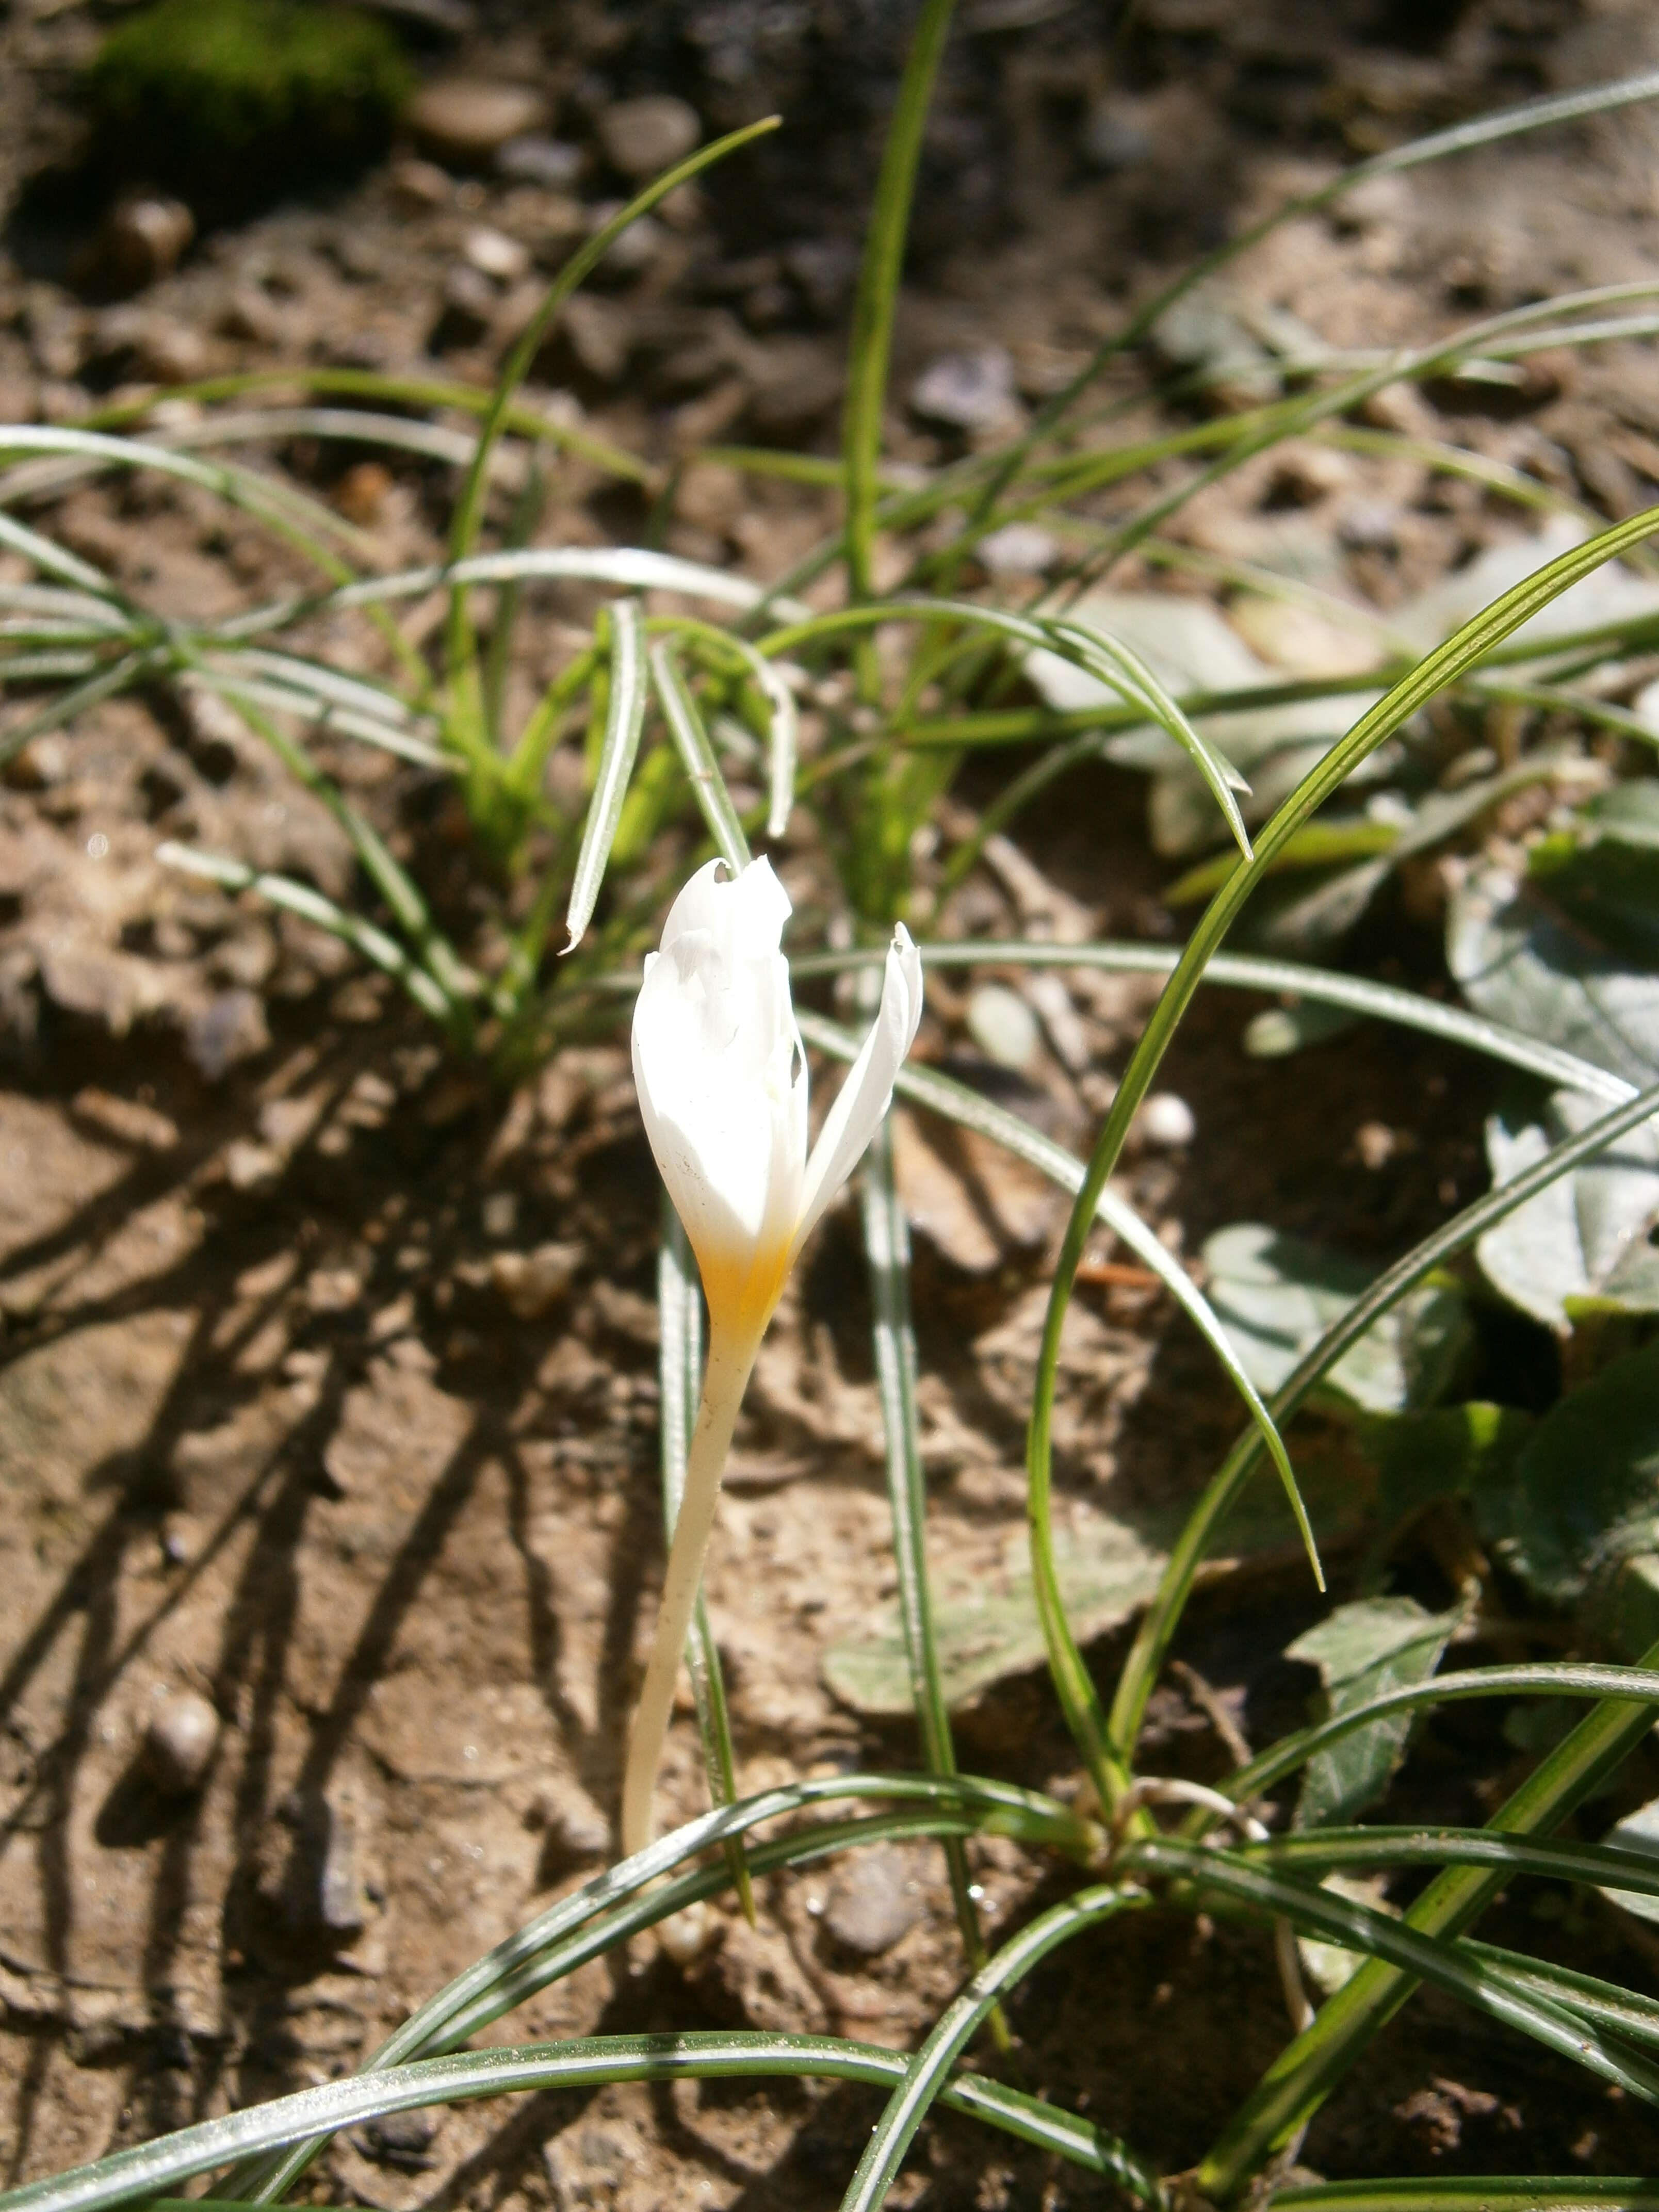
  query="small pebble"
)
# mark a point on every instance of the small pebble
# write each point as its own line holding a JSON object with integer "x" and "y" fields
{"x": 687, "y": 1935}
{"x": 1019, "y": 549}
{"x": 968, "y": 391}
{"x": 642, "y": 137}
{"x": 469, "y": 304}
{"x": 575, "y": 1828}
{"x": 870, "y": 1903}
{"x": 229, "y": 1027}
{"x": 1167, "y": 1121}
{"x": 493, "y": 254}
{"x": 467, "y": 120}
{"x": 1368, "y": 526}
{"x": 1003, "y": 1027}
{"x": 532, "y": 1283}
{"x": 499, "y": 1214}
{"x": 144, "y": 238}
{"x": 1115, "y": 136}
{"x": 422, "y": 184}
{"x": 536, "y": 160}
{"x": 180, "y": 1742}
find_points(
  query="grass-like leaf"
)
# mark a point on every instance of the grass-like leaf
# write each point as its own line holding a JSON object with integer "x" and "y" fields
{"x": 1479, "y": 2192}
{"x": 625, "y": 719}
{"x": 1424, "y": 1956}
{"x": 944, "y": 1095}
{"x": 588, "y": 2063}
{"x": 381, "y": 950}
{"x": 614, "y": 1905}
{"x": 686, "y": 727}
{"x": 1300, "y": 2078}
{"x": 926, "y": 2074}
{"x": 1106, "y": 1753}
{"x": 887, "y": 1257}
{"x": 871, "y": 347}
{"x": 1384, "y": 1002}
{"x": 1546, "y": 1679}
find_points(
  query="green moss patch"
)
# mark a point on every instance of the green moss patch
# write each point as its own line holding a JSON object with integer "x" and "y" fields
{"x": 232, "y": 100}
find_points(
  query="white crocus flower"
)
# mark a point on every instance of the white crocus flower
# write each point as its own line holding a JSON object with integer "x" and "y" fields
{"x": 722, "y": 1082}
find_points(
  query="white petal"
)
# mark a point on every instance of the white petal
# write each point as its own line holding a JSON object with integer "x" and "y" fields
{"x": 719, "y": 1069}
{"x": 864, "y": 1098}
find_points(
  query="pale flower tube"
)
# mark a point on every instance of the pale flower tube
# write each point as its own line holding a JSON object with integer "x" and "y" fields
{"x": 721, "y": 1077}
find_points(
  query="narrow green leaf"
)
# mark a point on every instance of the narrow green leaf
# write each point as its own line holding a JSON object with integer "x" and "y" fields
{"x": 587, "y": 2063}
{"x": 1398, "y": 1946}
{"x": 1302, "y": 2076}
{"x": 1482, "y": 2192}
{"x": 685, "y": 726}
{"x": 1359, "y": 995}
{"x": 887, "y": 1257}
{"x": 1546, "y": 1679}
{"x": 957, "y": 1103}
{"x": 614, "y": 1905}
{"x": 926, "y": 2075}
{"x": 1108, "y": 1747}
{"x": 625, "y": 719}
{"x": 871, "y": 346}
{"x": 384, "y": 952}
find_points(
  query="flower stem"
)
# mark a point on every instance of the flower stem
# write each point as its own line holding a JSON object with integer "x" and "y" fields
{"x": 730, "y": 1358}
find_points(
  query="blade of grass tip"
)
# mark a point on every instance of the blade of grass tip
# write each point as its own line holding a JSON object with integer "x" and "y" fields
{"x": 887, "y": 1254}
{"x": 1430, "y": 676}
{"x": 311, "y": 906}
{"x": 685, "y": 726}
{"x": 1130, "y": 676}
{"x": 927, "y": 2072}
{"x": 871, "y": 346}
{"x": 679, "y": 1369}
{"x": 625, "y": 719}
{"x": 470, "y": 508}
{"x": 783, "y": 744}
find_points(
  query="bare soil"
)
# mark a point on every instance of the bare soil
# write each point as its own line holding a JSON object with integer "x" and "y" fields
{"x": 274, "y": 1426}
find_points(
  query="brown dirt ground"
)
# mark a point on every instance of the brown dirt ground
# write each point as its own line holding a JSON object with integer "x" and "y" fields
{"x": 270, "y": 1430}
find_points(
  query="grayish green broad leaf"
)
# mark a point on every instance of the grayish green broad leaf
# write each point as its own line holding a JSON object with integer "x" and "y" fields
{"x": 1107, "y": 1574}
{"x": 1277, "y": 1295}
{"x": 1584, "y": 1245}
{"x": 1523, "y": 960}
{"x": 1363, "y": 1651}
{"x": 1583, "y": 1503}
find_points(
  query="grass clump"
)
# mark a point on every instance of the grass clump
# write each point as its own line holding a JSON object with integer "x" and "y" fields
{"x": 230, "y": 100}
